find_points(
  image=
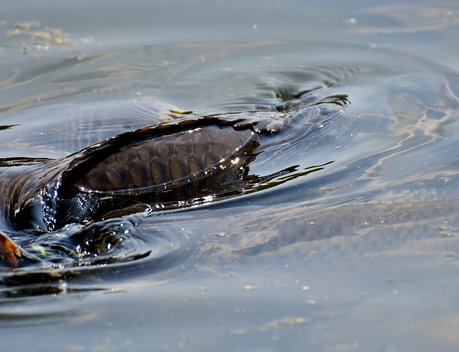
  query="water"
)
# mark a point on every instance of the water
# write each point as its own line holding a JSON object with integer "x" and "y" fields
{"x": 359, "y": 255}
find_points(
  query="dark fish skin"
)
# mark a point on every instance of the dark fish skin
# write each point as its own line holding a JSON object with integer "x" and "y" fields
{"x": 162, "y": 164}
{"x": 142, "y": 164}
{"x": 17, "y": 191}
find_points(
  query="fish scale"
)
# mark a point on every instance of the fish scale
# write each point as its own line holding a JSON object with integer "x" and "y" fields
{"x": 163, "y": 162}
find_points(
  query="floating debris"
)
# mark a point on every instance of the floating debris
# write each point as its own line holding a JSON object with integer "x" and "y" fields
{"x": 9, "y": 251}
{"x": 250, "y": 287}
{"x": 38, "y": 38}
{"x": 446, "y": 230}
{"x": 27, "y": 25}
{"x": 283, "y": 322}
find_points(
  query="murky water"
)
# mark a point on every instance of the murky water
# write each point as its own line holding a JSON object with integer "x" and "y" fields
{"x": 356, "y": 248}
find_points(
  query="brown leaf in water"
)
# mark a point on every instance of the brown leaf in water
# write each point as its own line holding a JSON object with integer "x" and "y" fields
{"x": 10, "y": 252}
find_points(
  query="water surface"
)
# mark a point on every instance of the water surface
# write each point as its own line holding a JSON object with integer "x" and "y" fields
{"x": 360, "y": 254}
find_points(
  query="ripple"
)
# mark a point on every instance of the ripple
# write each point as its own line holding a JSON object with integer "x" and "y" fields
{"x": 343, "y": 122}
{"x": 73, "y": 255}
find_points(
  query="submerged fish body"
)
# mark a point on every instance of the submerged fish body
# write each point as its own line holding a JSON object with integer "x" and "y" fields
{"x": 161, "y": 166}
{"x": 190, "y": 160}
{"x": 172, "y": 164}
{"x": 168, "y": 165}
{"x": 155, "y": 165}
